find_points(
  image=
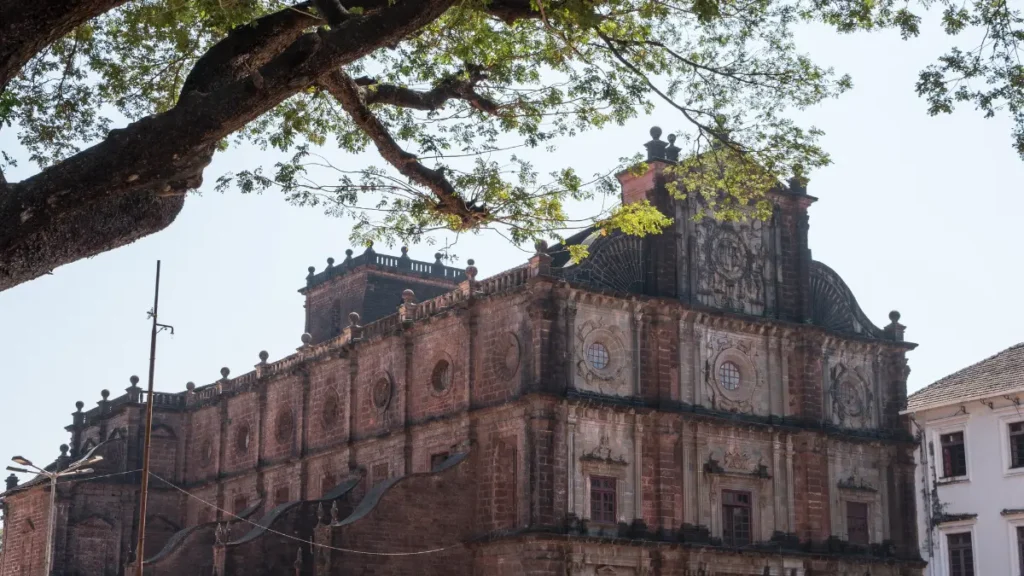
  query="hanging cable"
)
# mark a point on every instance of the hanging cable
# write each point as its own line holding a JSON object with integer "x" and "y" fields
{"x": 309, "y": 542}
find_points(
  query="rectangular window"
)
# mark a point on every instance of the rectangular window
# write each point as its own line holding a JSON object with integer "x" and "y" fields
{"x": 1017, "y": 445}
{"x": 280, "y": 495}
{"x": 602, "y": 499}
{"x": 1020, "y": 547}
{"x": 961, "y": 555}
{"x": 436, "y": 460}
{"x": 380, "y": 471}
{"x": 735, "y": 517}
{"x": 857, "y": 523}
{"x": 954, "y": 455}
{"x": 240, "y": 504}
{"x": 327, "y": 483}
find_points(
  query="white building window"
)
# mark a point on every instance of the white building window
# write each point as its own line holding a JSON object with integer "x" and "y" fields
{"x": 1011, "y": 432}
{"x": 957, "y": 541}
{"x": 952, "y": 455}
{"x": 961, "y": 554}
{"x": 1016, "y": 538}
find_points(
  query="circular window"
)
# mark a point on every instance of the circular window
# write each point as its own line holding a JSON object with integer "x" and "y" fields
{"x": 330, "y": 410}
{"x": 285, "y": 427}
{"x": 597, "y": 356}
{"x": 729, "y": 375}
{"x": 441, "y": 378}
{"x": 242, "y": 439}
{"x": 382, "y": 393}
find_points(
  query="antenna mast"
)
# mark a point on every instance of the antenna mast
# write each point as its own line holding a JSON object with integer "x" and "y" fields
{"x": 140, "y": 549}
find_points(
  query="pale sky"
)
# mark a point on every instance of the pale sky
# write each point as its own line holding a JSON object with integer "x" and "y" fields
{"x": 918, "y": 214}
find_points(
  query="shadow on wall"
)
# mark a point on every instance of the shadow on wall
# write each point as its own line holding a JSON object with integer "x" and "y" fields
{"x": 406, "y": 514}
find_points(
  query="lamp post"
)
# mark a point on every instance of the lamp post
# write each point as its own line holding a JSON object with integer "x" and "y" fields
{"x": 27, "y": 467}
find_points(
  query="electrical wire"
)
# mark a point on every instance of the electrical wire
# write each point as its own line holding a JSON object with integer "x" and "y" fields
{"x": 309, "y": 542}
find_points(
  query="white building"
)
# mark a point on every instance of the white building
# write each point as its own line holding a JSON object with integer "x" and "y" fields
{"x": 970, "y": 468}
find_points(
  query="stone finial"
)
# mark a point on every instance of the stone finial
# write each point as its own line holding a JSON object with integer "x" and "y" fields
{"x": 11, "y": 482}
{"x": 224, "y": 372}
{"x": 471, "y": 270}
{"x": 104, "y": 394}
{"x": 64, "y": 450}
{"x": 191, "y": 387}
{"x": 369, "y": 248}
{"x": 437, "y": 258}
{"x": 330, "y": 262}
{"x": 306, "y": 338}
{"x": 263, "y": 356}
{"x": 672, "y": 152}
{"x": 656, "y": 148}
{"x": 895, "y": 330}
{"x": 540, "y": 262}
{"x": 298, "y": 562}
{"x": 348, "y": 255}
{"x": 135, "y": 381}
{"x": 335, "y": 513}
{"x": 312, "y": 271}
{"x": 408, "y": 296}
{"x": 319, "y": 513}
{"x": 405, "y": 251}
{"x": 798, "y": 182}
{"x": 353, "y": 318}
{"x": 79, "y": 405}
{"x": 219, "y": 533}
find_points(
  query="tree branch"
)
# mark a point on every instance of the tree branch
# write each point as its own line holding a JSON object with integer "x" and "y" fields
{"x": 348, "y": 94}
{"x": 132, "y": 184}
{"x": 26, "y": 28}
{"x": 456, "y": 86}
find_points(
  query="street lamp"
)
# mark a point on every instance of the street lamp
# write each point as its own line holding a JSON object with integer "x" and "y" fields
{"x": 73, "y": 469}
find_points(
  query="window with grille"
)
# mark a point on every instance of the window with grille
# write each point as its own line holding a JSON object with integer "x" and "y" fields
{"x": 597, "y": 356}
{"x": 961, "y": 554}
{"x": 280, "y": 495}
{"x": 327, "y": 483}
{"x": 1020, "y": 547}
{"x": 240, "y": 503}
{"x": 857, "y": 523}
{"x": 381, "y": 472}
{"x": 1017, "y": 445}
{"x": 729, "y": 375}
{"x": 435, "y": 460}
{"x": 602, "y": 499}
{"x": 954, "y": 455}
{"x": 736, "y": 517}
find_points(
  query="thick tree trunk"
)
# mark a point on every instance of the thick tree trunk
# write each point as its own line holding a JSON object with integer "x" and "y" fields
{"x": 133, "y": 183}
{"x": 29, "y": 26}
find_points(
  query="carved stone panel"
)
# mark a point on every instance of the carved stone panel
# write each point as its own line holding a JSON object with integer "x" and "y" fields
{"x": 602, "y": 351}
{"x": 733, "y": 265}
{"x": 850, "y": 398}
{"x": 734, "y": 374}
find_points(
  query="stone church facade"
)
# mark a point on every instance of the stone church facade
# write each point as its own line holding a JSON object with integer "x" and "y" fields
{"x": 707, "y": 401}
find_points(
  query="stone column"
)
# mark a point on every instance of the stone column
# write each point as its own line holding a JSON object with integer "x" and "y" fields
{"x": 570, "y": 469}
{"x": 779, "y": 523}
{"x": 790, "y": 478}
{"x": 637, "y": 318}
{"x": 638, "y": 481}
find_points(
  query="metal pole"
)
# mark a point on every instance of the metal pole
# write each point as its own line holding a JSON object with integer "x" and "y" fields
{"x": 51, "y": 528}
{"x": 140, "y": 549}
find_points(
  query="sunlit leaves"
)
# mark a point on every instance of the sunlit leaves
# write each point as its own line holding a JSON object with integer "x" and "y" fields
{"x": 730, "y": 69}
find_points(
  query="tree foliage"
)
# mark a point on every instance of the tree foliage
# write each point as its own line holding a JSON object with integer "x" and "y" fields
{"x": 450, "y": 94}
